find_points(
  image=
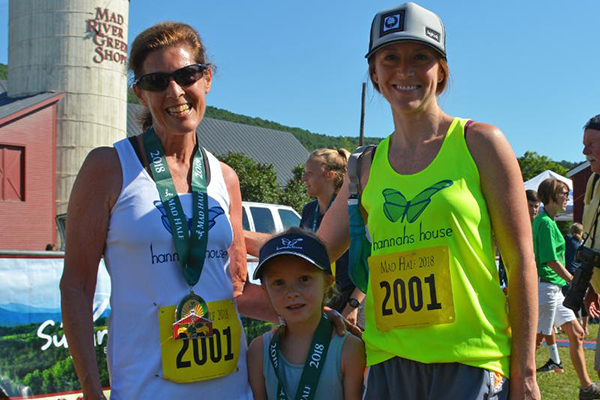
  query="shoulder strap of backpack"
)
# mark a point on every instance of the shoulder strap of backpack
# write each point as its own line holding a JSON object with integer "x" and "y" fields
{"x": 354, "y": 168}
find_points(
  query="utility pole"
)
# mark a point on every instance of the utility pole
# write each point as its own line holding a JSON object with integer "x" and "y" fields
{"x": 362, "y": 115}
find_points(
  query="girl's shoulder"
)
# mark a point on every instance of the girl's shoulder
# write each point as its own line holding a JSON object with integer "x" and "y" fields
{"x": 353, "y": 367}
{"x": 353, "y": 350}
{"x": 352, "y": 343}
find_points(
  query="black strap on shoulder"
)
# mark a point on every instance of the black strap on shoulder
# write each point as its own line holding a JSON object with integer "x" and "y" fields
{"x": 595, "y": 226}
{"x": 136, "y": 148}
{"x": 138, "y": 152}
{"x": 469, "y": 122}
{"x": 354, "y": 168}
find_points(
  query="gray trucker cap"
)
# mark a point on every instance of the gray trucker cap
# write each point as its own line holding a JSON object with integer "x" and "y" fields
{"x": 409, "y": 21}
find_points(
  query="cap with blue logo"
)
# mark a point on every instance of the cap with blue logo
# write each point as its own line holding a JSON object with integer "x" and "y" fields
{"x": 409, "y": 21}
{"x": 296, "y": 244}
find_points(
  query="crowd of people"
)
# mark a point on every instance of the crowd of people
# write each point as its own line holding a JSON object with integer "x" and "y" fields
{"x": 434, "y": 322}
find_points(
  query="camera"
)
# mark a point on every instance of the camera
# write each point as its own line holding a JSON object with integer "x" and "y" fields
{"x": 588, "y": 259}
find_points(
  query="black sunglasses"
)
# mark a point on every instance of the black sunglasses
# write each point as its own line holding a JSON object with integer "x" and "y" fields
{"x": 159, "y": 81}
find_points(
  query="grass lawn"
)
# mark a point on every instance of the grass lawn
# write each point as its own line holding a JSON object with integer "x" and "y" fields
{"x": 561, "y": 386}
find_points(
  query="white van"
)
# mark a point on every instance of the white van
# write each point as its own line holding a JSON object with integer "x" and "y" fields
{"x": 268, "y": 218}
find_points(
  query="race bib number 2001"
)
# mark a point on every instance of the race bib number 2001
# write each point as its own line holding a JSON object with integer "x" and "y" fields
{"x": 204, "y": 358}
{"x": 412, "y": 288}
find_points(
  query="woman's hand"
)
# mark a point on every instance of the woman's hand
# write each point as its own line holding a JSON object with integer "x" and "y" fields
{"x": 592, "y": 303}
{"x": 524, "y": 388}
{"x": 351, "y": 314}
{"x": 340, "y": 323}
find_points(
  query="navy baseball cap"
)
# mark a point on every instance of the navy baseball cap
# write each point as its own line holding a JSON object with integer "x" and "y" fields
{"x": 297, "y": 244}
{"x": 408, "y": 21}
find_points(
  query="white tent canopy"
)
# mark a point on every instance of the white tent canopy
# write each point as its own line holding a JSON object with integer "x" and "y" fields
{"x": 534, "y": 183}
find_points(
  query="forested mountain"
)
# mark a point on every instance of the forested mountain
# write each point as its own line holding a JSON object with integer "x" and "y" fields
{"x": 309, "y": 140}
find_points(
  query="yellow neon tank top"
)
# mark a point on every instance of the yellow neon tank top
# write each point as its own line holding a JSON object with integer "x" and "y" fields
{"x": 434, "y": 293}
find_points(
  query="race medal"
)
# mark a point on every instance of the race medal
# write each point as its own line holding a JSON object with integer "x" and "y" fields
{"x": 204, "y": 357}
{"x": 412, "y": 288}
{"x": 192, "y": 319}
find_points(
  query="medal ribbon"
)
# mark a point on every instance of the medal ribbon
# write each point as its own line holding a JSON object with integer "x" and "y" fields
{"x": 191, "y": 250}
{"x": 307, "y": 388}
{"x": 317, "y": 215}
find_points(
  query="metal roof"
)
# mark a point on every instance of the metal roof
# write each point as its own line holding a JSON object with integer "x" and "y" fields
{"x": 575, "y": 170}
{"x": 266, "y": 146}
{"x": 15, "y": 105}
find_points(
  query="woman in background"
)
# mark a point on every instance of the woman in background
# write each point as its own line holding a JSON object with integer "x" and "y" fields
{"x": 323, "y": 176}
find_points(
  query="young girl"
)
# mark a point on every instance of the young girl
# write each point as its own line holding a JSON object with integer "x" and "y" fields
{"x": 289, "y": 363}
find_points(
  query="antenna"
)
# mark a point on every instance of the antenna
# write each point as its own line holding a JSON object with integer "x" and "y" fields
{"x": 362, "y": 115}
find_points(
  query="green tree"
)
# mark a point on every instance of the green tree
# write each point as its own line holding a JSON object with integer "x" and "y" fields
{"x": 294, "y": 194}
{"x": 532, "y": 164}
{"x": 568, "y": 164}
{"x": 34, "y": 381}
{"x": 258, "y": 182}
{"x": 3, "y": 71}
{"x": 48, "y": 385}
{"x": 131, "y": 97}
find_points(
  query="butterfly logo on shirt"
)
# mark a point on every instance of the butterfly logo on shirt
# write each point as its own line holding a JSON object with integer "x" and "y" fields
{"x": 397, "y": 207}
{"x": 213, "y": 213}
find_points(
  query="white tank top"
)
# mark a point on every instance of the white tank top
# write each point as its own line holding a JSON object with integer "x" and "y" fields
{"x": 142, "y": 261}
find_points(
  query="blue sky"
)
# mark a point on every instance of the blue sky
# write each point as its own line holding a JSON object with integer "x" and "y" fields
{"x": 529, "y": 67}
{"x": 19, "y": 275}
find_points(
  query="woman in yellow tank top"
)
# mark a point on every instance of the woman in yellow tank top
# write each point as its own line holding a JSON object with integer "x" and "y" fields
{"x": 436, "y": 199}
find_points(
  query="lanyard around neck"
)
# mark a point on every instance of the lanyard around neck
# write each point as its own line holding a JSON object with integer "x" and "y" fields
{"x": 317, "y": 215}
{"x": 313, "y": 367}
{"x": 190, "y": 245}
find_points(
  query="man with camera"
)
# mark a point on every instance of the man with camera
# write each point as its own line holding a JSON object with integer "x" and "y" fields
{"x": 589, "y": 253}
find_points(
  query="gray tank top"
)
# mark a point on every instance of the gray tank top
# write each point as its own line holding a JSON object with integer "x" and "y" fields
{"x": 330, "y": 385}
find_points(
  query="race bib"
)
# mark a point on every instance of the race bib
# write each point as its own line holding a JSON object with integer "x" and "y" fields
{"x": 204, "y": 358}
{"x": 412, "y": 288}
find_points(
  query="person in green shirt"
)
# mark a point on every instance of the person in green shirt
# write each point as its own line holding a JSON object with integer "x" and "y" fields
{"x": 549, "y": 248}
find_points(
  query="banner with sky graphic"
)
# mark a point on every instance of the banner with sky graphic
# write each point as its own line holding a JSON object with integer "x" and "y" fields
{"x": 34, "y": 355}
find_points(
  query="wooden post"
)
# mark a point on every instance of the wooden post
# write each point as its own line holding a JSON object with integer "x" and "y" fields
{"x": 362, "y": 115}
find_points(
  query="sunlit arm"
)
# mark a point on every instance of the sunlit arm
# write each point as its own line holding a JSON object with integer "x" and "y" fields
{"x": 94, "y": 192}
{"x": 507, "y": 206}
{"x": 334, "y": 230}
{"x": 560, "y": 270}
{"x": 254, "y": 241}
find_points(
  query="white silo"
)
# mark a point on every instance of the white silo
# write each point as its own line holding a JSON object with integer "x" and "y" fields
{"x": 76, "y": 47}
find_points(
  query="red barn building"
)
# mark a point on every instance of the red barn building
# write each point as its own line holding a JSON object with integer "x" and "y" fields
{"x": 579, "y": 175}
{"x": 28, "y": 171}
